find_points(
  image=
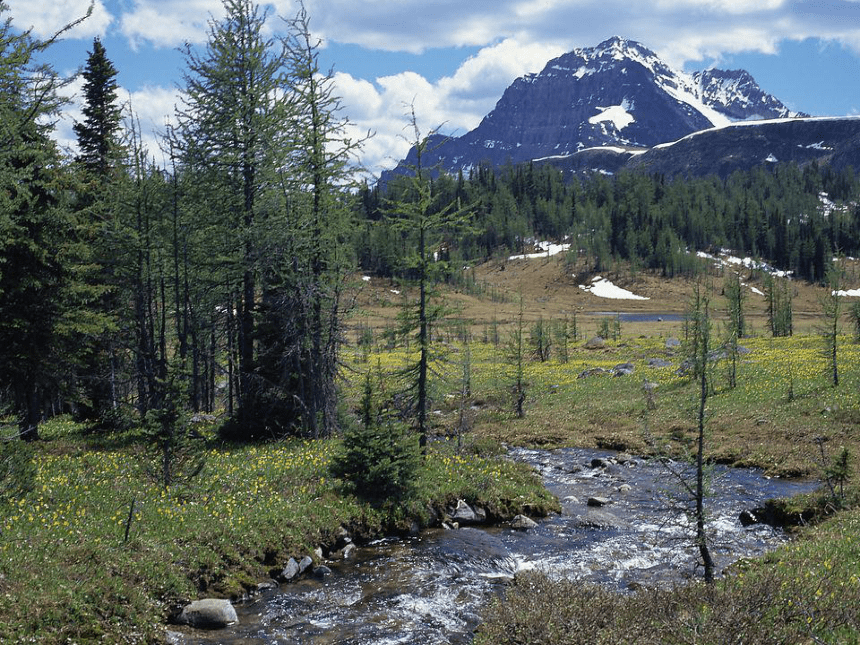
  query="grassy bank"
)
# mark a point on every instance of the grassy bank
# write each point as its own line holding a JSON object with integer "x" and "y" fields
{"x": 807, "y": 591}
{"x": 67, "y": 573}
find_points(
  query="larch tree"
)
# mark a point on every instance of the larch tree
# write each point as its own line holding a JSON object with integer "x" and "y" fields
{"x": 232, "y": 133}
{"x": 417, "y": 213}
{"x": 322, "y": 169}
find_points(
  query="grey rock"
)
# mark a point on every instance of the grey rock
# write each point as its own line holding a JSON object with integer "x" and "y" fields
{"x": 464, "y": 514}
{"x": 671, "y": 343}
{"x": 595, "y": 519}
{"x": 322, "y": 571}
{"x": 601, "y": 462}
{"x": 266, "y": 585}
{"x": 209, "y": 613}
{"x": 598, "y": 501}
{"x": 523, "y": 523}
{"x": 595, "y": 342}
{"x": 291, "y": 570}
{"x": 658, "y": 362}
{"x": 348, "y": 551}
{"x": 624, "y": 458}
{"x": 571, "y": 499}
{"x": 305, "y": 563}
{"x": 623, "y": 369}
{"x": 624, "y": 488}
{"x": 593, "y": 371}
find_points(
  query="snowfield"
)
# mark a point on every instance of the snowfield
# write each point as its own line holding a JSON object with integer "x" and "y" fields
{"x": 603, "y": 288}
{"x": 547, "y": 249}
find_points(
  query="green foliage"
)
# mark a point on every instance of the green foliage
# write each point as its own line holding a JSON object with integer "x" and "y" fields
{"x": 777, "y": 293}
{"x": 17, "y": 468}
{"x": 176, "y": 456}
{"x": 830, "y": 326}
{"x": 379, "y": 458}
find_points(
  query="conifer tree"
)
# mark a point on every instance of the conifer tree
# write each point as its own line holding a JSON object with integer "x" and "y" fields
{"x": 100, "y": 164}
{"x": 40, "y": 293}
{"x": 98, "y": 133}
{"x": 232, "y": 134}
{"x": 418, "y": 214}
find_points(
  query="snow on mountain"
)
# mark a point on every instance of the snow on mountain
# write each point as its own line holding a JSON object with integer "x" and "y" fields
{"x": 617, "y": 94}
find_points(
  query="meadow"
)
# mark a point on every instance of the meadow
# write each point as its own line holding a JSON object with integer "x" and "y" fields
{"x": 95, "y": 550}
{"x": 69, "y": 574}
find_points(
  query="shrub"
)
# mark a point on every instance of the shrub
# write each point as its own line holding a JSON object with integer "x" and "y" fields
{"x": 379, "y": 458}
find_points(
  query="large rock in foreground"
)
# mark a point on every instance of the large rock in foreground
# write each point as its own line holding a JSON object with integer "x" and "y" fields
{"x": 209, "y": 613}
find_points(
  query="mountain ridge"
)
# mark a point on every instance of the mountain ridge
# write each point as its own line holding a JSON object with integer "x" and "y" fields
{"x": 616, "y": 94}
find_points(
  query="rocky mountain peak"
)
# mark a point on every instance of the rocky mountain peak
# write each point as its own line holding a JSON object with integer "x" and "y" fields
{"x": 616, "y": 94}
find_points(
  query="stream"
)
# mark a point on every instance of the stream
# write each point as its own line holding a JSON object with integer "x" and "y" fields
{"x": 430, "y": 588}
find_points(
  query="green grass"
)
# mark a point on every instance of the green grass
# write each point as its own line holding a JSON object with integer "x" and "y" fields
{"x": 805, "y": 592}
{"x": 68, "y": 575}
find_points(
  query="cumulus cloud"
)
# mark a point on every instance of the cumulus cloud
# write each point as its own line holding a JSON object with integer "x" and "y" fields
{"x": 678, "y": 30}
{"x": 47, "y": 18}
{"x": 169, "y": 23}
{"x": 454, "y": 104}
{"x": 151, "y": 107}
{"x": 511, "y": 37}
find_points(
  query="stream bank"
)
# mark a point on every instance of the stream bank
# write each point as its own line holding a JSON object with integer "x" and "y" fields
{"x": 618, "y": 528}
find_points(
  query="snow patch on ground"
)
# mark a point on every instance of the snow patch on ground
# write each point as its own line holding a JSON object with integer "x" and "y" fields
{"x": 603, "y": 288}
{"x": 849, "y": 293}
{"x": 618, "y": 115}
{"x": 726, "y": 257}
{"x": 547, "y": 249}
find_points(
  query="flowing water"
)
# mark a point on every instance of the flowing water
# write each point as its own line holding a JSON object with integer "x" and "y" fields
{"x": 429, "y": 589}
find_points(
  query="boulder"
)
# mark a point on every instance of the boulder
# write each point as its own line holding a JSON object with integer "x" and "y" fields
{"x": 209, "y": 613}
{"x": 600, "y": 520}
{"x": 305, "y": 563}
{"x": 593, "y": 371}
{"x": 623, "y": 369}
{"x": 322, "y": 571}
{"x": 601, "y": 462}
{"x": 291, "y": 570}
{"x": 624, "y": 488}
{"x": 464, "y": 514}
{"x": 348, "y": 551}
{"x": 595, "y": 342}
{"x": 671, "y": 343}
{"x": 658, "y": 362}
{"x": 523, "y": 523}
{"x": 598, "y": 501}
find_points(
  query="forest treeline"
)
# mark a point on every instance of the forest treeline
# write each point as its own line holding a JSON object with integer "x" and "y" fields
{"x": 793, "y": 218}
{"x": 214, "y": 274}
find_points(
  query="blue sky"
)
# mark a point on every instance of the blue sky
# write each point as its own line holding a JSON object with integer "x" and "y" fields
{"x": 454, "y": 58}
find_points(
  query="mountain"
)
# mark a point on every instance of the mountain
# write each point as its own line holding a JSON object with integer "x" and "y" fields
{"x": 722, "y": 150}
{"x": 618, "y": 93}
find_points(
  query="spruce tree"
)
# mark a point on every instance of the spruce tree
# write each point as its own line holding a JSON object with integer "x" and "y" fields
{"x": 41, "y": 313}
{"x": 98, "y": 133}
{"x": 100, "y": 165}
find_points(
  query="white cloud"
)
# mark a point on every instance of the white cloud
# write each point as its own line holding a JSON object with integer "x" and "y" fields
{"x": 151, "y": 106}
{"x": 454, "y": 104}
{"x": 169, "y": 23}
{"x": 47, "y": 18}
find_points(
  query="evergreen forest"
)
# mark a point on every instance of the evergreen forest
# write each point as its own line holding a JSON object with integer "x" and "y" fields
{"x": 215, "y": 274}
